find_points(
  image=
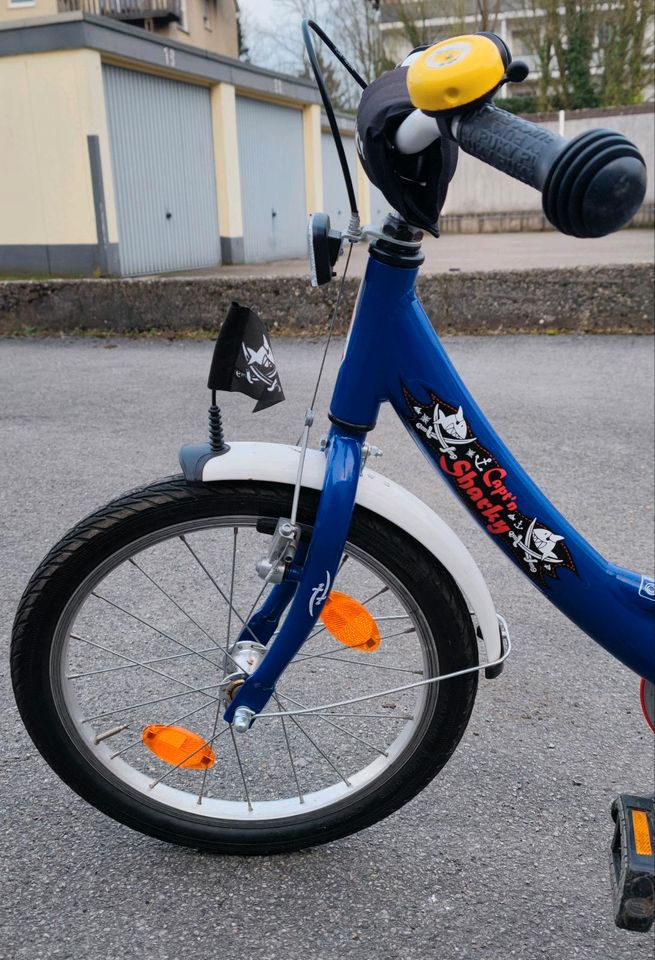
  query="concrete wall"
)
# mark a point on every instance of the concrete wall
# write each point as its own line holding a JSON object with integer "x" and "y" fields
{"x": 478, "y": 188}
{"x": 50, "y": 104}
{"x": 581, "y": 300}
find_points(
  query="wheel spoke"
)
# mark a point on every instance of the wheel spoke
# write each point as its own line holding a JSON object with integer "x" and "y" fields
{"x": 218, "y": 588}
{"x": 131, "y": 666}
{"x": 340, "y": 649}
{"x": 337, "y": 726}
{"x": 150, "y": 703}
{"x": 133, "y": 663}
{"x": 110, "y": 733}
{"x": 314, "y": 743}
{"x": 151, "y": 626}
{"x": 173, "y": 601}
{"x": 243, "y": 776}
{"x": 235, "y": 534}
{"x": 401, "y": 633}
{"x": 286, "y": 740}
{"x": 362, "y": 663}
{"x": 217, "y": 717}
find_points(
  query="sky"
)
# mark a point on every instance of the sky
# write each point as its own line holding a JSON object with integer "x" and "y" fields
{"x": 259, "y": 10}
{"x": 262, "y": 21}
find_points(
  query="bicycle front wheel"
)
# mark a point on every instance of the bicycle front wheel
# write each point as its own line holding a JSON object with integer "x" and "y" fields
{"x": 123, "y": 630}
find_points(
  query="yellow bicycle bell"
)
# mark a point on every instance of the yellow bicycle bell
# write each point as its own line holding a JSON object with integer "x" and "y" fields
{"x": 456, "y": 73}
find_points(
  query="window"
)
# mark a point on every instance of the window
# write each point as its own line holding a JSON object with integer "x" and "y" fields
{"x": 184, "y": 18}
{"x": 21, "y": 3}
{"x": 521, "y": 43}
{"x": 206, "y": 14}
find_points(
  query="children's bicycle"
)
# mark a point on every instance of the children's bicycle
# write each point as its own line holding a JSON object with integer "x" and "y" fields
{"x": 280, "y": 646}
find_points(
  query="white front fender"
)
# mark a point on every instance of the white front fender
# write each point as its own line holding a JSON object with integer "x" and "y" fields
{"x": 277, "y": 463}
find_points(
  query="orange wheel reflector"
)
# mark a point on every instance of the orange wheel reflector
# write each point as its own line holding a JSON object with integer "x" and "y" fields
{"x": 179, "y": 747}
{"x": 349, "y": 622}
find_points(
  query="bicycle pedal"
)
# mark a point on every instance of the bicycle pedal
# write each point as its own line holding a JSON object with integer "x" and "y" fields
{"x": 632, "y": 863}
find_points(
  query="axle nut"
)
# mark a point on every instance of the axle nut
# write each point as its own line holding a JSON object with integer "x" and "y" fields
{"x": 242, "y": 719}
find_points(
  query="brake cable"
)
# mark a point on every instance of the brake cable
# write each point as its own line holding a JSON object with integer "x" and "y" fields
{"x": 303, "y": 440}
{"x": 308, "y": 25}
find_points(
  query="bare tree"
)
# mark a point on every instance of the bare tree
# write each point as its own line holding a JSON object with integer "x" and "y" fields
{"x": 358, "y": 34}
{"x": 414, "y": 20}
{"x": 283, "y": 49}
{"x": 589, "y": 52}
{"x": 487, "y": 14}
{"x": 627, "y": 61}
{"x": 460, "y": 16}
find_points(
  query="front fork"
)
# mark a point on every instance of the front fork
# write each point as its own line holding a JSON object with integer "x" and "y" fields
{"x": 342, "y": 470}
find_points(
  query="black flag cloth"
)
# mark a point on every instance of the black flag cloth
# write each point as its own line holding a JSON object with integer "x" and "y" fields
{"x": 243, "y": 359}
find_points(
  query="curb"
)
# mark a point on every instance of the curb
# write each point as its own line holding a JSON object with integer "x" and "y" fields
{"x": 599, "y": 300}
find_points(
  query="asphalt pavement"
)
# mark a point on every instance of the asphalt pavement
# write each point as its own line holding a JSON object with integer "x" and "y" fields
{"x": 505, "y": 854}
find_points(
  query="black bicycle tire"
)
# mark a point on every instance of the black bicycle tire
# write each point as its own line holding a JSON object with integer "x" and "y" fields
{"x": 162, "y": 504}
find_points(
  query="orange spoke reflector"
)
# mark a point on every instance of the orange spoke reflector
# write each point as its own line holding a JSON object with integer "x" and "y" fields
{"x": 349, "y": 622}
{"x": 179, "y": 747}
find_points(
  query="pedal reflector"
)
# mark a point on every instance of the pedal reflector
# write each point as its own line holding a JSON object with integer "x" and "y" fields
{"x": 179, "y": 747}
{"x": 349, "y": 622}
{"x": 643, "y": 845}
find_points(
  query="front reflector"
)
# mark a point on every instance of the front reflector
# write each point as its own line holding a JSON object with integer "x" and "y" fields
{"x": 349, "y": 622}
{"x": 179, "y": 747}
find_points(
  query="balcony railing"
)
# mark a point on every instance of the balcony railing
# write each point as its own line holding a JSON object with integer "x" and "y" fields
{"x": 130, "y": 10}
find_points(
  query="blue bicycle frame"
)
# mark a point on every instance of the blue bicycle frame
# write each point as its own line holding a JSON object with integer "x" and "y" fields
{"x": 393, "y": 354}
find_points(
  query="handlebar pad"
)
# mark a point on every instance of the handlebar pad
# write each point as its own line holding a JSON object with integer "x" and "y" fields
{"x": 591, "y": 185}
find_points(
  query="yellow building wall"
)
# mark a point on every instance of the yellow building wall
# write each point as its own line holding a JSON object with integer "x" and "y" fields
{"x": 226, "y": 160}
{"x": 39, "y": 8}
{"x": 225, "y": 25}
{"x": 217, "y": 34}
{"x": 311, "y": 117}
{"x": 49, "y": 104}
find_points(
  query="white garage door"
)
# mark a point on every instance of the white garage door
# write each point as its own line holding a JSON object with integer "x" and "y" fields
{"x": 163, "y": 166}
{"x": 272, "y": 162}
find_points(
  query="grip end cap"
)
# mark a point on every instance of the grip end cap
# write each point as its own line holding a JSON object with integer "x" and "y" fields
{"x": 595, "y": 186}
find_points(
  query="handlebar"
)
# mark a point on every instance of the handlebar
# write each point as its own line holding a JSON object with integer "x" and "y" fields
{"x": 591, "y": 185}
{"x": 416, "y": 132}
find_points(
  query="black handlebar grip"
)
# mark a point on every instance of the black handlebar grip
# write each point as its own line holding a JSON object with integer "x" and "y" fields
{"x": 591, "y": 185}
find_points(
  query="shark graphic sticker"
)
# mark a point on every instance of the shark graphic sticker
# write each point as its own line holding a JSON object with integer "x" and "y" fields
{"x": 481, "y": 482}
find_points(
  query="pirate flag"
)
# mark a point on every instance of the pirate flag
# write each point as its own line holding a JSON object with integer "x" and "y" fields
{"x": 243, "y": 359}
